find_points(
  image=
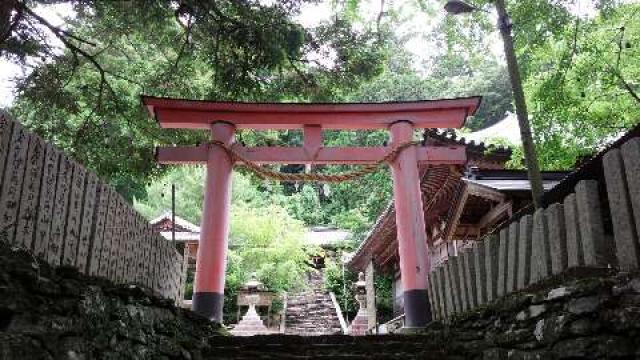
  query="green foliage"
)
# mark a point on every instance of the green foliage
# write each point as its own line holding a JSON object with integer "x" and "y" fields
{"x": 586, "y": 91}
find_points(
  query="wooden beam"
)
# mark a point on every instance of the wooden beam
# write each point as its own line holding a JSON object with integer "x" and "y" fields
{"x": 485, "y": 192}
{"x": 494, "y": 214}
{"x": 450, "y": 155}
{"x": 189, "y": 114}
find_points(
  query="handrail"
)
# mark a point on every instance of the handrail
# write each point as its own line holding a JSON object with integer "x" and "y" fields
{"x": 336, "y": 305}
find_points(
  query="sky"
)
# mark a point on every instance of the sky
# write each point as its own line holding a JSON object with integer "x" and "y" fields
{"x": 416, "y": 26}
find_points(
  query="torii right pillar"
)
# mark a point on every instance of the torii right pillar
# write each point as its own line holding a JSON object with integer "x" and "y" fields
{"x": 412, "y": 238}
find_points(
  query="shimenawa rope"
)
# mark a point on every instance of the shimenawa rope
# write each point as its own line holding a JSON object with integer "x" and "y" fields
{"x": 325, "y": 178}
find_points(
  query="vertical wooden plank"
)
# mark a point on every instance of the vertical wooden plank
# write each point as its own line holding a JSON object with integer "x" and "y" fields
{"x": 102, "y": 208}
{"x": 129, "y": 271}
{"x": 12, "y": 183}
{"x": 88, "y": 218}
{"x": 503, "y": 266}
{"x": 28, "y": 215}
{"x": 105, "y": 254}
{"x": 597, "y": 250}
{"x": 624, "y": 227}
{"x": 557, "y": 238}
{"x": 575, "y": 255}
{"x": 74, "y": 216}
{"x": 631, "y": 158}
{"x": 63, "y": 187}
{"x": 46, "y": 202}
{"x": 524, "y": 251}
{"x": 6, "y": 128}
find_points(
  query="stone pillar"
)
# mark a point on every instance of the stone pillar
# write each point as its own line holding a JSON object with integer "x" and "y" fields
{"x": 524, "y": 251}
{"x": 208, "y": 296}
{"x": 491, "y": 266}
{"x": 575, "y": 256}
{"x": 480, "y": 272}
{"x": 624, "y": 227}
{"x": 631, "y": 158}
{"x": 557, "y": 238}
{"x": 503, "y": 265}
{"x": 469, "y": 276}
{"x": 540, "y": 257}
{"x": 512, "y": 258}
{"x": 597, "y": 251}
{"x": 412, "y": 238}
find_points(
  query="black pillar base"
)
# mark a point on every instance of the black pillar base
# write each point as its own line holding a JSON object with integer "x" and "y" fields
{"x": 417, "y": 310}
{"x": 209, "y": 305}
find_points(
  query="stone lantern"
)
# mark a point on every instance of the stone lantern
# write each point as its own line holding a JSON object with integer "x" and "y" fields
{"x": 361, "y": 321}
{"x": 252, "y": 294}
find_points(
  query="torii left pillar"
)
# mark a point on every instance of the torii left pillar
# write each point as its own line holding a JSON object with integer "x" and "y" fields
{"x": 208, "y": 298}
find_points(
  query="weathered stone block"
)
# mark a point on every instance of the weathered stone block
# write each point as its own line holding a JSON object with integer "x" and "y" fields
{"x": 540, "y": 258}
{"x": 480, "y": 272}
{"x": 469, "y": 276}
{"x": 448, "y": 287}
{"x": 503, "y": 265}
{"x": 557, "y": 238}
{"x": 440, "y": 289}
{"x": 575, "y": 254}
{"x": 524, "y": 251}
{"x": 631, "y": 158}
{"x": 454, "y": 276}
{"x": 512, "y": 258}
{"x": 491, "y": 266}
{"x": 462, "y": 282}
{"x": 596, "y": 249}
{"x": 624, "y": 227}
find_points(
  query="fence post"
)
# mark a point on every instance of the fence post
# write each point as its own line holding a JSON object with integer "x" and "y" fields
{"x": 557, "y": 238}
{"x": 624, "y": 227}
{"x": 491, "y": 266}
{"x": 469, "y": 275}
{"x": 597, "y": 251}
{"x": 524, "y": 251}
{"x": 512, "y": 258}
{"x": 631, "y": 158}
{"x": 480, "y": 272}
{"x": 575, "y": 254}
{"x": 503, "y": 262}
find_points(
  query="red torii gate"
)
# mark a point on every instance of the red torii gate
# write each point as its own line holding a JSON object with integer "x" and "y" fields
{"x": 223, "y": 118}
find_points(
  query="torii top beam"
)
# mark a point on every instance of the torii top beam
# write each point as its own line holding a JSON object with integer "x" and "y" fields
{"x": 195, "y": 114}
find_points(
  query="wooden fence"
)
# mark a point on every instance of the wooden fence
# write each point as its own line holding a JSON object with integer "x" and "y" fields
{"x": 548, "y": 242}
{"x": 67, "y": 216}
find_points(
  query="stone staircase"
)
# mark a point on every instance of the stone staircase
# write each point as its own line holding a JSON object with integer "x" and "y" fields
{"x": 311, "y": 312}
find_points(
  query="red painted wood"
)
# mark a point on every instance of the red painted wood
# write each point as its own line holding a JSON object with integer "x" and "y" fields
{"x": 191, "y": 114}
{"x": 412, "y": 238}
{"x": 212, "y": 260}
{"x": 325, "y": 155}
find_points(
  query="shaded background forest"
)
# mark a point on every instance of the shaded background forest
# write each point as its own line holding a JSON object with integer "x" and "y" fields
{"x": 581, "y": 72}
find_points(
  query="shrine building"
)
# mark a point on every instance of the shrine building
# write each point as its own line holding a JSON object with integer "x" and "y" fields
{"x": 459, "y": 208}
